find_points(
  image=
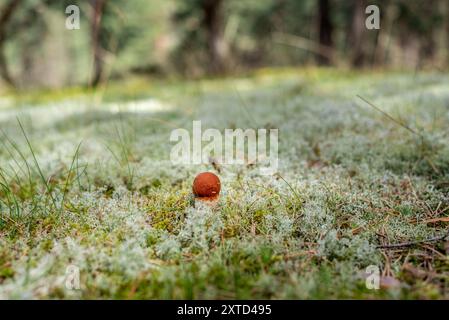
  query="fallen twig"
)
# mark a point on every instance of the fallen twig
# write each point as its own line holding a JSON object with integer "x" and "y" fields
{"x": 413, "y": 243}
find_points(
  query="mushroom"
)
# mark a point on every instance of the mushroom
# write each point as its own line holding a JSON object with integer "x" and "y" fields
{"x": 206, "y": 188}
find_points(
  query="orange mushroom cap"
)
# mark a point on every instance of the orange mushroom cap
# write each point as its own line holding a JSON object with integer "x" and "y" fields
{"x": 206, "y": 184}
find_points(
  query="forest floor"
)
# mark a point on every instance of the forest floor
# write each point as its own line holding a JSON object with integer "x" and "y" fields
{"x": 87, "y": 187}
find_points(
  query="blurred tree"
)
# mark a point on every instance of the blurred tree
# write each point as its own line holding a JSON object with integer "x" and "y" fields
{"x": 97, "y": 49}
{"x": 357, "y": 33}
{"x": 6, "y": 14}
{"x": 445, "y": 9}
{"x": 213, "y": 23}
{"x": 208, "y": 16}
{"x": 325, "y": 29}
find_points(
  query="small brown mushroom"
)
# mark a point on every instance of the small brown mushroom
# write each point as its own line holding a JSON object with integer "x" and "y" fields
{"x": 206, "y": 188}
{"x": 206, "y": 184}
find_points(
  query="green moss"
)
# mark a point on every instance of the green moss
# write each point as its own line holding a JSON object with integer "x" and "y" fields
{"x": 351, "y": 180}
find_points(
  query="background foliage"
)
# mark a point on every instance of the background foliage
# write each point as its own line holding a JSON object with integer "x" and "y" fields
{"x": 193, "y": 38}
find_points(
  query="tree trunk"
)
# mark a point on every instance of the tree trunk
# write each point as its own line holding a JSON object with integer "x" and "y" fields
{"x": 98, "y": 59}
{"x": 384, "y": 35}
{"x": 213, "y": 23}
{"x": 357, "y": 33}
{"x": 445, "y": 58}
{"x": 5, "y": 16}
{"x": 325, "y": 29}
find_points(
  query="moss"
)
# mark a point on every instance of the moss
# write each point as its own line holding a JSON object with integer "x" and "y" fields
{"x": 123, "y": 214}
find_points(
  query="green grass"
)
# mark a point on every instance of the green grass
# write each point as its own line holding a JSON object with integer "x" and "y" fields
{"x": 87, "y": 182}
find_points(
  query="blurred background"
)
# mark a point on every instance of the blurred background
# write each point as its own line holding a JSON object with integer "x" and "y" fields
{"x": 177, "y": 38}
